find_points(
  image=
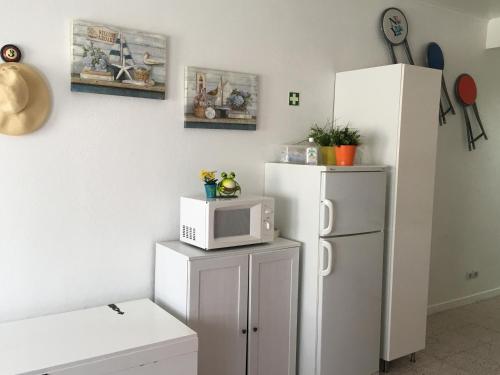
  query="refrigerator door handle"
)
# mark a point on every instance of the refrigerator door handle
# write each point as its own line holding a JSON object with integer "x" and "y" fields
{"x": 329, "y": 264}
{"x": 331, "y": 217}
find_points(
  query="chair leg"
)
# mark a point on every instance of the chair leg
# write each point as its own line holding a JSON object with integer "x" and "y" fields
{"x": 393, "y": 54}
{"x": 445, "y": 89}
{"x": 470, "y": 137}
{"x": 408, "y": 52}
{"x": 476, "y": 111}
{"x": 442, "y": 118}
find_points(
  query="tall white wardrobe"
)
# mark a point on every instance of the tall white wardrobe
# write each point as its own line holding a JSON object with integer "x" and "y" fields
{"x": 396, "y": 109}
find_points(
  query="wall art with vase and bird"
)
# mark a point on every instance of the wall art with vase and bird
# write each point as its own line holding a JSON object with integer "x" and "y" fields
{"x": 216, "y": 99}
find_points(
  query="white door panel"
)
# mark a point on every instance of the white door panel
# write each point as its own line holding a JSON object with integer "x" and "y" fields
{"x": 350, "y": 305}
{"x": 218, "y": 313}
{"x": 353, "y": 202}
{"x": 273, "y": 312}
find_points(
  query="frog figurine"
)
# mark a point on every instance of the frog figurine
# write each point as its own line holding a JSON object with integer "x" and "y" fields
{"x": 227, "y": 186}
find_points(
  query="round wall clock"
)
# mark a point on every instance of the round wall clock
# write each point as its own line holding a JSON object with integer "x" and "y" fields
{"x": 210, "y": 113}
{"x": 11, "y": 53}
{"x": 394, "y": 26}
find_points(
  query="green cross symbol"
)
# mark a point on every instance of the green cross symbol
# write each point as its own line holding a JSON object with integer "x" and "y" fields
{"x": 293, "y": 98}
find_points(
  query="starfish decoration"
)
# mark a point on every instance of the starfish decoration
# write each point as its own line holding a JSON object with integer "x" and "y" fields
{"x": 124, "y": 68}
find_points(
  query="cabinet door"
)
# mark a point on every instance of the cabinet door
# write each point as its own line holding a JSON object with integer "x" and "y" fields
{"x": 218, "y": 313}
{"x": 273, "y": 312}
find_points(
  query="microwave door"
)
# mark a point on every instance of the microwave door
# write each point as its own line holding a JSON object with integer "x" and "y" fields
{"x": 234, "y": 225}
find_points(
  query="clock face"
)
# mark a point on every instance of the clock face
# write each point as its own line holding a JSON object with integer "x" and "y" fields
{"x": 210, "y": 113}
{"x": 11, "y": 53}
{"x": 394, "y": 26}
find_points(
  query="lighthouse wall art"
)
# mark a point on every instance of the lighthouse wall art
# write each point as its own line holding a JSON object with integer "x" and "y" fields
{"x": 116, "y": 61}
{"x": 218, "y": 99}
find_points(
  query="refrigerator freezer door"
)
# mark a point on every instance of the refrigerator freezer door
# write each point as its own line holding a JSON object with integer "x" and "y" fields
{"x": 352, "y": 202}
{"x": 350, "y": 305}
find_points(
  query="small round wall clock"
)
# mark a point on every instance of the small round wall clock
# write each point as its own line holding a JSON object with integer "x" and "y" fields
{"x": 11, "y": 53}
{"x": 210, "y": 113}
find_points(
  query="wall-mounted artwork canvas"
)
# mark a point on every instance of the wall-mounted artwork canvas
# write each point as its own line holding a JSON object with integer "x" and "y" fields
{"x": 217, "y": 99}
{"x": 116, "y": 61}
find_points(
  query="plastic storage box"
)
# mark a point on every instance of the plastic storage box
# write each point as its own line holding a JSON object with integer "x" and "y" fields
{"x": 130, "y": 338}
{"x": 293, "y": 154}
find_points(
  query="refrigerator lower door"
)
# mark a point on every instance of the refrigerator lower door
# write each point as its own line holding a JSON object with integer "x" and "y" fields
{"x": 350, "y": 303}
{"x": 352, "y": 202}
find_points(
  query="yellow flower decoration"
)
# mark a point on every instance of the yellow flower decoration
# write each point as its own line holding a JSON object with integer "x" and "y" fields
{"x": 207, "y": 176}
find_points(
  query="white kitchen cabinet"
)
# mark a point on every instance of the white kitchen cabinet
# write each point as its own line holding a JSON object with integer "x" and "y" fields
{"x": 141, "y": 340}
{"x": 242, "y": 302}
{"x": 396, "y": 109}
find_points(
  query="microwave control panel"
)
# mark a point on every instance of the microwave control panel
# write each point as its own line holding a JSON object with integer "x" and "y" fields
{"x": 268, "y": 215}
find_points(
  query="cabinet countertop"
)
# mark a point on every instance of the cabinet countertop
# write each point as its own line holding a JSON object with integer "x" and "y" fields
{"x": 192, "y": 252}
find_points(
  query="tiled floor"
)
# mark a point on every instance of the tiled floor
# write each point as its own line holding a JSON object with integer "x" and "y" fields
{"x": 462, "y": 341}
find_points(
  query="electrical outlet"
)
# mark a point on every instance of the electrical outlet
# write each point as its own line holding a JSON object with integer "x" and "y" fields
{"x": 471, "y": 275}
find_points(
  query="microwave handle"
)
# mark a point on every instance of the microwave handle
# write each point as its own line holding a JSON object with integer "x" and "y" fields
{"x": 331, "y": 217}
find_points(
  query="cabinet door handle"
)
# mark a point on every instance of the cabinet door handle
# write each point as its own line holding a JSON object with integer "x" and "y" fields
{"x": 244, "y": 331}
{"x": 255, "y": 329}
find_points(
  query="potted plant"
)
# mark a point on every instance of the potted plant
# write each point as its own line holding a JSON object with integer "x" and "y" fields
{"x": 322, "y": 136}
{"x": 94, "y": 58}
{"x": 210, "y": 183}
{"x": 345, "y": 140}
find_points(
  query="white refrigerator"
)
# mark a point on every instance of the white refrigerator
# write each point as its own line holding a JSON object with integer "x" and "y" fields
{"x": 338, "y": 215}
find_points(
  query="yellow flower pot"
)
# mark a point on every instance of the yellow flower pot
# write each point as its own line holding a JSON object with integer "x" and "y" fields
{"x": 327, "y": 155}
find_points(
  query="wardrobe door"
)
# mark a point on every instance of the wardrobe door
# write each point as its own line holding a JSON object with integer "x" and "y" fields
{"x": 272, "y": 320}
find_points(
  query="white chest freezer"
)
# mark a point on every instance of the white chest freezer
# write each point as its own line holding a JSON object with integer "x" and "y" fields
{"x": 130, "y": 338}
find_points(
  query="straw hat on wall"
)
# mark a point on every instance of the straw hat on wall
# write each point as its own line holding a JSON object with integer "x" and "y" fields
{"x": 24, "y": 99}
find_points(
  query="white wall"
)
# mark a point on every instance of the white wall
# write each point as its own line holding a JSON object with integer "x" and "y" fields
{"x": 83, "y": 200}
{"x": 466, "y": 232}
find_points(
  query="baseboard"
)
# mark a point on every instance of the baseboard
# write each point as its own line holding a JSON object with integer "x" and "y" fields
{"x": 462, "y": 301}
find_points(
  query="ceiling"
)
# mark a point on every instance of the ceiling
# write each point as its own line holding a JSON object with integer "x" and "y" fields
{"x": 479, "y": 8}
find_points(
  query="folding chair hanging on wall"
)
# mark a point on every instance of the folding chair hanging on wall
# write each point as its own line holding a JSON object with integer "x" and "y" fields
{"x": 466, "y": 91}
{"x": 435, "y": 60}
{"x": 395, "y": 29}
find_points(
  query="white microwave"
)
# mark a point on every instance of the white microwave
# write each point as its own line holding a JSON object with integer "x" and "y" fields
{"x": 225, "y": 222}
